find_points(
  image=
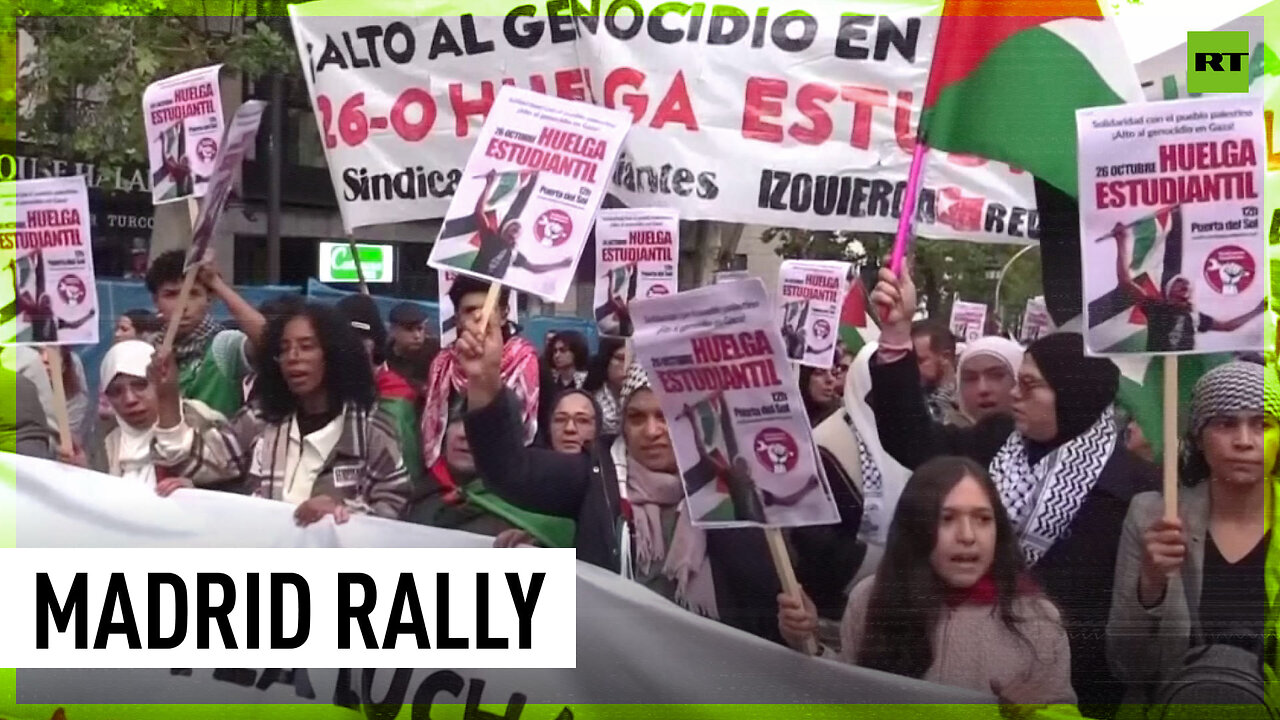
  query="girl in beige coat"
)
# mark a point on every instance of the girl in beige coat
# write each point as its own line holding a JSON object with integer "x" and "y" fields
{"x": 950, "y": 602}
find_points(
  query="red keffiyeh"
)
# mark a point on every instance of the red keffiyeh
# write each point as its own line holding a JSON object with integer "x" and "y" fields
{"x": 519, "y": 372}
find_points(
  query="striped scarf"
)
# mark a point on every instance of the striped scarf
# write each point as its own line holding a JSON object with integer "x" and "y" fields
{"x": 520, "y": 373}
{"x": 190, "y": 348}
{"x": 1043, "y": 499}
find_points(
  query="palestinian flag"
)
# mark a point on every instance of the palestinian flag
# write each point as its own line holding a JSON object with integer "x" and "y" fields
{"x": 856, "y": 327}
{"x": 705, "y": 490}
{"x": 511, "y": 192}
{"x": 1007, "y": 78}
{"x": 1156, "y": 247}
{"x": 1142, "y": 390}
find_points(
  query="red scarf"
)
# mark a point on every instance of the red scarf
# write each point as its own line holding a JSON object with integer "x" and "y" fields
{"x": 984, "y": 591}
{"x": 448, "y": 486}
{"x": 519, "y": 373}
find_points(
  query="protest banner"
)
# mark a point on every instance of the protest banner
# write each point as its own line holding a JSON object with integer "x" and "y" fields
{"x": 968, "y": 320}
{"x": 182, "y": 116}
{"x": 720, "y": 133}
{"x": 52, "y": 297}
{"x": 1172, "y": 238}
{"x": 531, "y": 188}
{"x": 448, "y": 316}
{"x": 235, "y": 145}
{"x": 810, "y": 298}
{"x": 682, "y": 656}
{"x": 737, "y": 419}
{"x": 1036, "y": 322}
{"x": 637, "y": 256}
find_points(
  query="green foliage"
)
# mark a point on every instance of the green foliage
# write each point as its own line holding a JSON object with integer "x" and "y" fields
{"x": 81, "y": 89}
{"x": 944, "y": 270}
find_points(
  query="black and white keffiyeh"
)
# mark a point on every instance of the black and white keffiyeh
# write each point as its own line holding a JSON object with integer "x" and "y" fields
{"x": 1225, "y": 390}
{"x": 1043, "y": 500}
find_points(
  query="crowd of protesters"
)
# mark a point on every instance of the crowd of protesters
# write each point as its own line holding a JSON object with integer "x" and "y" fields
{"x": 1001, "y": 530}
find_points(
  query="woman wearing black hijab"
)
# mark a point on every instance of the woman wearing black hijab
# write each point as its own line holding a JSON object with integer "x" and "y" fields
{"x": 1064, "y": 476}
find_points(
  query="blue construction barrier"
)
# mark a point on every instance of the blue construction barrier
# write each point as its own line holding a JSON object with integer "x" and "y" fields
{"x": 117, "y": 297}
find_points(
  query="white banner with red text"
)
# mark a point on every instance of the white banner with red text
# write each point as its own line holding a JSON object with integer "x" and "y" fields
{"x": 805, "y": 118}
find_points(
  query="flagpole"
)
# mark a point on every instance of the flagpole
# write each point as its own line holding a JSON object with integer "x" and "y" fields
{"x": 908, "y": 213}
{"x": 355, "y": 256}
{"x": 1169, "y": 208}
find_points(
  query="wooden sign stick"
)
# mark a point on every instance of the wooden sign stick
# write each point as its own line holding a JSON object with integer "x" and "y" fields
{"x": 1171, "y": 437}
{"x": 490, "y": 304}
{"x": 66, "y": 445}
{"x": 188, "y": 282}
{"x": 786, "y": 574}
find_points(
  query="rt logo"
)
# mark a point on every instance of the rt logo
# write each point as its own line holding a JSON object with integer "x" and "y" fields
{"x": 1217, "y": 62}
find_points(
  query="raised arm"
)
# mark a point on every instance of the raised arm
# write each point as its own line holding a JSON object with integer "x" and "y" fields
{"x": 192, "y": 440}
{"x": 906, "y": 430}
{"x": 1124, "y": 281}
{"x": 539, "y": 268}
{"x": 252, "y": 323}
{"x": 483, "y": 200}
{"x": 536, "y": 479}
{"x": 1238, "y": 322}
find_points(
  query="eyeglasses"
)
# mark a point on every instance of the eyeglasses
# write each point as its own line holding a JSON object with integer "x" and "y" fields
{"x": 301, "y": 349}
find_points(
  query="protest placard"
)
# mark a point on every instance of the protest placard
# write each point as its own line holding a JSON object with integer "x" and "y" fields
{"x": 1036, "y": 322}
{"x": 810, "y": 297}
{"x": 720, "y": 133}
{"x": 51, "y": 298}
{"x": 637, "y": 256}
{"x": 968, "y": 320}
{"x": 738, "y": 423}
{"x": 449, "y": 316}
{"x": 530, "y": 190}
{"x": 1170, "y": 221}
{"x": 182, "y": 116}
{"x": 235, "y": 145}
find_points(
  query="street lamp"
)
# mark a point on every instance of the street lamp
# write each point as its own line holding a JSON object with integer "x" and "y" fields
{"x": 1005, "y": 269}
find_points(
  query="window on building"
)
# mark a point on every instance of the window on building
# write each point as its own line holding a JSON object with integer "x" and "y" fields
{"x": 307, "y": 150}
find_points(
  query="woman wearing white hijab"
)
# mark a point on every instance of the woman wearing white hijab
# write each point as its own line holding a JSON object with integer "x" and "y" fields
{"x": 161, "y": 440}
{"x": 987, "y": 371}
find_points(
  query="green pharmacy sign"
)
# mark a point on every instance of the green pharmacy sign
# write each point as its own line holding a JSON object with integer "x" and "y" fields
{"x": 337, "y": 264}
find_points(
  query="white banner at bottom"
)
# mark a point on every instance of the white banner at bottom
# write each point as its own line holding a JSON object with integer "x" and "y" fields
{"x": 632, "y": 645}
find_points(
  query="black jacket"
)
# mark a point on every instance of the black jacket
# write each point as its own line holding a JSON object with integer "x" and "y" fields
{"x": 585, "y": 487}
{"x": 1078, "y": 571}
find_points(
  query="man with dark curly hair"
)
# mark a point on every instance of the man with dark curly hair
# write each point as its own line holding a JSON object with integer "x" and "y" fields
{"x": 213, "y": 361}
